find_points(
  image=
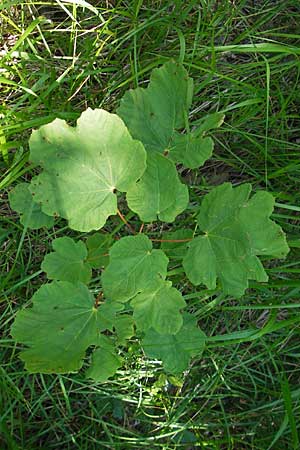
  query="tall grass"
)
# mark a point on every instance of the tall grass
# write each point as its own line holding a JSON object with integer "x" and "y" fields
{"x": 59, "y": 57}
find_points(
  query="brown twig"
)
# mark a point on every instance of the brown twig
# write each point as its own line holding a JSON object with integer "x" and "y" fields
{"x": 125, "y": 221}
{"x": 98, "y": 299}
{"x": 171, "y": 240}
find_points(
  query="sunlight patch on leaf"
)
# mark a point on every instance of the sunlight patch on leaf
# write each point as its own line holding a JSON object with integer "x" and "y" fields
{"x": 84, "y": 167}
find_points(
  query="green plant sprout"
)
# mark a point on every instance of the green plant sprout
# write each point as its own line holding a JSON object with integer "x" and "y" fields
{"x": 84, "y": 170}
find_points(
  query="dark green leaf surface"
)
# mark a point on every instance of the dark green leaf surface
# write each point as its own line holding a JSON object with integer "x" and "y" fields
{"x": 31, "y": 215}
{"x": 190, "y": 150}
{"x": 153, "y": 114}
{"x": 98, "y": 247}
{"x": 173, "y": 249}
{"x": 60, "y": 326}
{"x": 124, "y": 328}
{"x": 84, "y": 166}
{"x": 67, "y": 262}
{"x": 105, "y": 361}
{"x": 133, "y": 266}
{"x": 159, "y": 308}
{"x": 159, "y": 194}
{"x": 236, "y": 230}
{"x": 175, "y": 350}
{"x": 194, "y": 148}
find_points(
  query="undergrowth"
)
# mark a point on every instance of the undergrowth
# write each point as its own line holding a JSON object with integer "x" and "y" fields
{"x": 58, "y": 58}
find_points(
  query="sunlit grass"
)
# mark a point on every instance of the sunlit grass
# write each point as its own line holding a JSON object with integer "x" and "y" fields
{"x": 57, "y": 58}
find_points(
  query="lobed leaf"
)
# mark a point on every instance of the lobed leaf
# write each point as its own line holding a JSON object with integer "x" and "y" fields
{"x": 153, "y": 114}
{"x": 194, "y": 149}
{"x": 84, "y": 166}
{"x": 175, "y": 350}
{"x": 31, "y": 215}
{"x": 159, "y": 194}
{"x": 190, "y": 150}
{"x": 60, "y": 326}
{"x": 159, "y": 308}
{"x": 124, "y": 328}
{"x": 133, "y": 266}
{"x": 105, "y": 361}
{"x": 236, "y": 230}
{"x": 68, "y": 261}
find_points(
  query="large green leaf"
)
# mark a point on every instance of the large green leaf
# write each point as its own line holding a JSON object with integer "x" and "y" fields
{"x": 31, "y": 215}
{"x": 159, "y": 193}
{"x": 68, "y": 261}
{"x": 236, "y": 230}
{"x": 105, "y": 360}
{"x": 84, "y": 166}
{"x": 153, "y": 114}
{"x": 175, "y": 350}
{"x": 133, "y": 266}
{"x": 159, "y": 308}
{"x": 60, "y": 326}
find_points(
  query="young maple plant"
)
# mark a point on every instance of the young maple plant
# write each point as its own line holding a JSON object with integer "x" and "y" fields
{"x": 83, "y": 170}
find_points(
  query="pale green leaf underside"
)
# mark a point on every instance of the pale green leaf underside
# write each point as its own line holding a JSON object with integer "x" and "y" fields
{"x": 153, "y": 114}
{"x": 105, "y": 361}
{"x": 159, "y": 194}
{"x": 175, "y": 350}
{"x": 31, "y": 215}
{"x": 60, "y": 326}
{"x": 236, "y": 230}
{"x": 133, "y": 266}
{"x": 159, "y": 308}
{"x": 83, "y": 167}
{"x": 67, "y": 262}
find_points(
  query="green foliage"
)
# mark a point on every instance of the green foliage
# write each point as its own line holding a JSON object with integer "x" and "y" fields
{"x": 159, "y": 194}
{"x": 82, "y": 170}
{"x": 31, "y": 215}
{"x": 67, "y": 262}
{"x": 98, "y": 247}
{"x": 60, "y": 326}
{"x": 105, "y": 360}
{"x": 84, "y": 166}
{"x": 133, "y": 266}
{"x": 236, "y": 230}
{"x": 153, "y": 114}
{"x": 159, "y": 308}
{"x": 175, "y": 243}
{"x": 175, "y": 350}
